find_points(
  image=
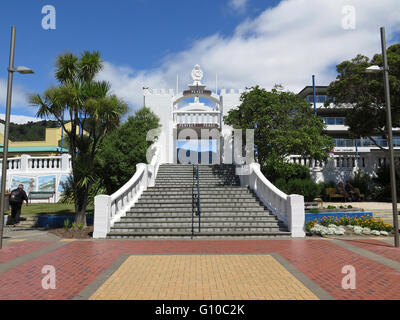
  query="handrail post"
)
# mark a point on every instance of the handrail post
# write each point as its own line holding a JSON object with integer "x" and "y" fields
{"x": 192, "y": 201}
{"x": 198, "y": 196}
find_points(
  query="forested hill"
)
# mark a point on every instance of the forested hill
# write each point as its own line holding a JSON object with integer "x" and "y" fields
{"x": 31, "y": 131}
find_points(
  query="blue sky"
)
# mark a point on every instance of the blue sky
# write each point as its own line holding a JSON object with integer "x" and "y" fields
{"x": 149, "y": 42}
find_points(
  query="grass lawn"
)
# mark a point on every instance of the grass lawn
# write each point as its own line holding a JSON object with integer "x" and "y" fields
{"x": 59, "y": 209}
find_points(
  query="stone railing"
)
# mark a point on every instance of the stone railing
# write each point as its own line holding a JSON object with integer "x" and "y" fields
{"x": 110, "y": 209}
{"x": 288, "y": 208}
{"x": 32, "y": 164}
{"x": 197, "y": 117}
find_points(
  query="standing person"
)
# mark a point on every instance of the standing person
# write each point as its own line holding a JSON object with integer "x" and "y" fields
{"x": 17, "y": 198}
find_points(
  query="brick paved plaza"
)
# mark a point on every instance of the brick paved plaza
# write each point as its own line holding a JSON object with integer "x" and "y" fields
{"x": 305, "y": 269}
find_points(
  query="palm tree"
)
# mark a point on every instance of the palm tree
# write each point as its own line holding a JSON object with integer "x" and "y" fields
{"x": 88, "y": 104}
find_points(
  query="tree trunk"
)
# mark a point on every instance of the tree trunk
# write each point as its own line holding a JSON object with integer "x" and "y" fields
{"x": 80, "y": 206}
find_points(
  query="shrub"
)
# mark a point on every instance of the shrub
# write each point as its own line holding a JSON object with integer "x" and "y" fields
{"x": 308, "y": 188}
{"x": 67, "y": 224}
{"x": 80, "y": 226}
{"x": 362, "y": 181}
{"x": 275, "y": 169}
{"x": 382, "y": 184}
{"x": 323, "y": 186}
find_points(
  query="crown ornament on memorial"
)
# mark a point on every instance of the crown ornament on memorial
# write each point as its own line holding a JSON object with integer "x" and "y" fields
{"x": 197, "y": 75}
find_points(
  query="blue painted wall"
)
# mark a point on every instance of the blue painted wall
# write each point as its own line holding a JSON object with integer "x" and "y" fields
{"x": 312, "y": 216}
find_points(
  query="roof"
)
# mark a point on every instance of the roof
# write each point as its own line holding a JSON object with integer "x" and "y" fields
{"x": 309, "y": 90}
{"x": 34, "y": 149}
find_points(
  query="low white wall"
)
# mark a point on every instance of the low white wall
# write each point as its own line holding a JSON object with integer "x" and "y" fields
{"x": 109, "y": 209}
{"x": 288, "y": 208}
{"x": 38, "y": 174}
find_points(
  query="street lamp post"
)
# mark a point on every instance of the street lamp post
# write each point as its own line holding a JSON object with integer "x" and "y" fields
{"x": 11, "y": 70}
{"x": 385, "y": 70}
{"x": 144, "y": 96}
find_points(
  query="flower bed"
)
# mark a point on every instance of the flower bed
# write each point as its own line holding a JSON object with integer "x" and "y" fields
{"x": 310, "y": 217}
{"x": 359, "y": 225}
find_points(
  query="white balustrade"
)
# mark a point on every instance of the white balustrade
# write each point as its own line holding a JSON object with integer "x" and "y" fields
{"x": 32, "y": 164}
{"x": 197, "y": 117}
{"x": 288, "y": 208}
{"x": 110, "y": 209}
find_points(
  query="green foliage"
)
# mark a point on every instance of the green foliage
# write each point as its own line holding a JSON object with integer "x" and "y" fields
{"x": 275, "y": 169}
{"x": 365, "y": 92}
{"x": 95, "y": 188}
{"x": 284, "y": 124}
{"x": 323, "y": 186}
{"x": 382, "y": 191}
{"x": 67, "y": 224}
{"x": 86, "y": 103}
{"x": 73, "y": 226}
{"x": 31, "y": 131}
{"x": 124, "y": 148}
{"x": 308, "y": 188}
{"x": 80, "y": 226}
{"x": 362, "y": 181}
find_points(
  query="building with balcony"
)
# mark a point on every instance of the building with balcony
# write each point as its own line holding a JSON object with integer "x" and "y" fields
{"x": 348, "y": 154}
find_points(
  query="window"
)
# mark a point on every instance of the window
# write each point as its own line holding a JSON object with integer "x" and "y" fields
{"x": 334, "y": 120}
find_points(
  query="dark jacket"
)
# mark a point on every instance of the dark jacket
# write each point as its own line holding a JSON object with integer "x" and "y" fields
{"x": 20, "y": 197}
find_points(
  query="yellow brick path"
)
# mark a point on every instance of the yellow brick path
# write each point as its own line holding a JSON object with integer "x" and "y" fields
{"x": 197, "y": 277}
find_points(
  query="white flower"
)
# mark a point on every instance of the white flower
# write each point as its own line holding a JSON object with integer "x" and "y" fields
{"x": 339, "y": 231}
{"x": 358, "y": 230}
{"x": 331, "y": 231}
{"x": 375, "y": 232}
{"x": 366, "y": 230}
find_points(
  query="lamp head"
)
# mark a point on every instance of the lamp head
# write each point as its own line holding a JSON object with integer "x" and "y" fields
{"x": 23, "y": 70}
{"x": 373, "y": 69}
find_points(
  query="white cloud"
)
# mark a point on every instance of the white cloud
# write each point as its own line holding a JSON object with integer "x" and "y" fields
{"x": 20, "y": 119}
{"x": 285, "y": 44}
{"x": 238, "y": 5}
{"x": 19, "y": 94}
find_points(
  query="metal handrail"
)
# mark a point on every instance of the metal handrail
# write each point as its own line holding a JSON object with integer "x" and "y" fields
{"x": 198, "y": 196}
{"x": 193, "y": 201}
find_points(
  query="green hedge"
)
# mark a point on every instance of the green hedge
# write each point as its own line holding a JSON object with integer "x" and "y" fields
{"x": 306, "y": 187}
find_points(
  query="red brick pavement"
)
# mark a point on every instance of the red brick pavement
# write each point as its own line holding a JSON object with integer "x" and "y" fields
{"x": 19, "y": 249}
{"x": 79, "y": 263}
{"x": 384, "y": 249}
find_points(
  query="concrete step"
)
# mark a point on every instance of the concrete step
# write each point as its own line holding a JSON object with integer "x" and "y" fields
{"x": 228, "y": 210}
{"x": 204, "y": 218}
{"x": 204, "y": 197}
{"x": 203, "y": 224}
{"x": 188, "y": 189}
{"x": 188, "y": 213}
{"x": 204, "y": 205}
{"x": 189, "y": 185}
{"x": 204, "y": 210}
{"x": 188, "y": 200}
{"x": 189, "y": 229}
{"x": 191, "y": 181}
{"x": 208, "y": 235}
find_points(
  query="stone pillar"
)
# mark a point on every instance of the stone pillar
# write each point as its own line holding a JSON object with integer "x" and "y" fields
{"x": 297, "y": 215}
{"x": 65, "y": 162}
{"x": 24, "y": 162}
{"x": 102, "y": 216}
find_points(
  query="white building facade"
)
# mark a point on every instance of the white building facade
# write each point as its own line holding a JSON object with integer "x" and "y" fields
{"x": 201, "y": 111}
